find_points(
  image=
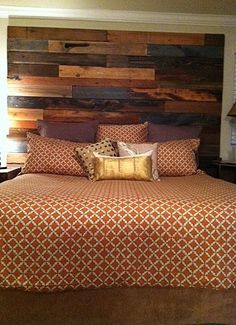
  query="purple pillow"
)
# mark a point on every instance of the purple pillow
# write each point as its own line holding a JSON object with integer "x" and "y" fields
{"x": 165, "y": 132}
{"x": 78, "y": 132}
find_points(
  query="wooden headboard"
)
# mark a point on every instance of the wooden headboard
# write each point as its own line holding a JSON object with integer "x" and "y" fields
{"x": 115, "y": 76}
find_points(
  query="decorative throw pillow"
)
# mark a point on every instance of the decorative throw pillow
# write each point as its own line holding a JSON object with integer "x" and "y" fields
{"x": 131, "y": 149}
{"x": 138, "y": 167}
{"x": 177, "y": 158}
{"x": 165, "y": 132}
{"x": 52, "y": 156}
{"x": 86, "y": 155}
{"x": 78, "y": 132}
{"x": 133, "y": 133}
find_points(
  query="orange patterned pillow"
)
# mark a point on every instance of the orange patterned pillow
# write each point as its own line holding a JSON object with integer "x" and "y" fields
{"x": 52, "y": 156}
{"x": 132, "y": 133}
{"x": 177, "y": 158}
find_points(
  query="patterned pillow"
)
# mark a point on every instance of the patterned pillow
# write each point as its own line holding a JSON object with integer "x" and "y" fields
{"x": 177, "y": 158}
{"x": 137, "y": 167}
{"x": 130, "y": 149}
{"x": 52, "y": 156}
{"x": 86, "y": 155}
{"x": 133, "y": 133}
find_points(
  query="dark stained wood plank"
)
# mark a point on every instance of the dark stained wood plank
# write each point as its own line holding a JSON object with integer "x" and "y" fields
{"x": 100, "y": 93}
{"x": 215, "y": 40}
{"x": 80, "y": 116}
{"x": 185, "y": 51}
{"x": 121, "y": 61}
{"x": 209, "y": 108}
{"x": 97, "y": 48}
{"x": 49, "y": 70}
{"x": 173, "y": 94}
{"x": 27, "y": 45}
{"x": 181, "y": 118}
{"x": 112, "y": 73}
{"x": 57, "y": 58}
{"x": 45, "y": 33}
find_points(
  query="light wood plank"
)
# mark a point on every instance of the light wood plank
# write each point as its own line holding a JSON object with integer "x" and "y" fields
{"x": 25, "y": 114}
{"x": 16, "y": 158}
{"x": 176, "y": 38}
{"x": 42, "y": 90}
{"x": 111, "y": 73}
{"x": 97, "y": 48}
{"x": 23, "y": 124}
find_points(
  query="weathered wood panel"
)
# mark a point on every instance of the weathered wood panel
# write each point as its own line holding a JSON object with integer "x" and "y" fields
{"x": 112, "y": 73}
{"x": 116, "y": 77}
{"x": 97, "y": 48}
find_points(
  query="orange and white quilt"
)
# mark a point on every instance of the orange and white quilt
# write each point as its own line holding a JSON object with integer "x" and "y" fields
{"x": 65, "y": 232}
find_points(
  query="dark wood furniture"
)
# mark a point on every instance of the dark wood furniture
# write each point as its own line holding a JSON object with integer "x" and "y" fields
{"x": 9, "y": 173}
{"x": 225, "y": 169}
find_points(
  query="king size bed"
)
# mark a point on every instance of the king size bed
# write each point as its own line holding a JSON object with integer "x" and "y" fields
{"x": 116, "y": 251}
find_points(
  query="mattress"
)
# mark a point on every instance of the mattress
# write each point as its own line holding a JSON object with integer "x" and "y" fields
{"x": 66, "y": 232}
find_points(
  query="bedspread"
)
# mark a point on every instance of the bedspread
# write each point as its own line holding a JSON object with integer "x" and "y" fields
{"x": 65, "y": 232}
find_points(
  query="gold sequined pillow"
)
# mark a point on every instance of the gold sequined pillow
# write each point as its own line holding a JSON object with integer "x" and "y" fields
{"x": 52, "y": 156}
{"x": 137, "y": 167}
{"x": 86, "y": 155}
{"x": 177, "y": 158}
{"x": 132, "y": 133}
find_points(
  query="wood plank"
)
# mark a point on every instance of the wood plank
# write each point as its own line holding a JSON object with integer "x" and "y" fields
{"x": 20, "y": 133}
{"x": 22, "y": 124}
{"x": 173, "y": 94}
{"x": 80, "y": 116}
{"x": 112, "y": 73}
{"x": 181, "y": 118}
{"x": 121, "y": 61}
{"x": 176, "y": 38}
{"x": 49, "y": 70}
{"x": 57, "y": 58}
{"x": 27, "y": 45}
{"x": 25, "y": 114}
{"x": 211, "y": 108}
{"x": 155, "y": 37}
{"x": 215, "y": 40}
{"x": 100, "y": 92}
{"x": 97, "y": 48}
{"x": 18, "y": 81}
{"x": 44, "y": 91}
{"x": 45, "y": 33}
{"x": 16, "y": 158}
{"x": 17, "y": 146}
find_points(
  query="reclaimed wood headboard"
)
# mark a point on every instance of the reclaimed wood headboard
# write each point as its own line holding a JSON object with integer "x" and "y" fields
{"x": 61, "y": 74}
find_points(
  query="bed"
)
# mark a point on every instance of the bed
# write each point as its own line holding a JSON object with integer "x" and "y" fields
{"x": 121, "y": 243}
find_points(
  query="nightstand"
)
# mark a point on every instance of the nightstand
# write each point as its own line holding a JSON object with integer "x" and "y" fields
{"x": 226, "y": 170}
{"x": 9, "y": 173}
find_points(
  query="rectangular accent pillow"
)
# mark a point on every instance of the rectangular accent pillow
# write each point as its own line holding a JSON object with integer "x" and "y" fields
{"x": 166, "y": 132}
{"x": 132, "y": 133}
{"x": 138, "y": 167}
{"x": 131, "y": 149}
{"x": 52, "y": 156}
{"x": 84, "y": 132}
{"x": 86, "y": 155}
{"x": 177, "y": 158}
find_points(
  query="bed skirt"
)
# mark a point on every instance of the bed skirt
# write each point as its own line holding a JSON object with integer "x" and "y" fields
{"x": 131, "y": 306}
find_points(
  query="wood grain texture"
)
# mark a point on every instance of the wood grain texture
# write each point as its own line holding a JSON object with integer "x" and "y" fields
{"x": 97, "y": 48}
{"x": 111, "y": 73}
{"x": 64, "y": 74}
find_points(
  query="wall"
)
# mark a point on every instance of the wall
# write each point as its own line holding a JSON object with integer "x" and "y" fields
{"x": 115, "y": 76}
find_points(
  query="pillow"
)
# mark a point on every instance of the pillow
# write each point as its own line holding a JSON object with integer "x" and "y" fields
{"x": 52, "y": 156}
{"x": 138, "y": 167}
{"x": 177, "y": 158}
{"x": 164, "y": 132}
{"x": 86, "y": 155}
{"x": 131, "y": 149}
{"x": 78, "y": 132}
{"x": 133, "y": 133}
